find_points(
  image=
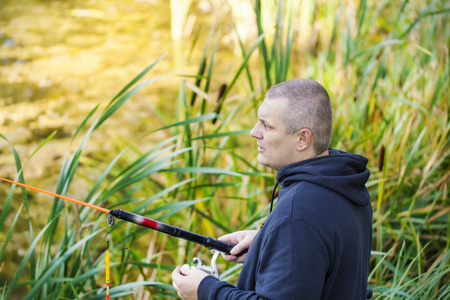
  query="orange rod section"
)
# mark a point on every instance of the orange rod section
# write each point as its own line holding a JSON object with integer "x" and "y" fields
{"x": 58, "y": 196}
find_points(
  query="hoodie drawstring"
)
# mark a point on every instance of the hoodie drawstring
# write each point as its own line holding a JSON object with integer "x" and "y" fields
{"x": 273, "y": 196}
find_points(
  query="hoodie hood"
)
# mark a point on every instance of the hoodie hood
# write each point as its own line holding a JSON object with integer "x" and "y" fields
{"x": 342, "y": 172}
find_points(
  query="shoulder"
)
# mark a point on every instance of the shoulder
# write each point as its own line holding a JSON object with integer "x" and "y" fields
{"x": 300, "y": 199}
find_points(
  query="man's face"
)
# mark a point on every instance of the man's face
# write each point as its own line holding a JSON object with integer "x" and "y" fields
{"x": 276, "y": 148}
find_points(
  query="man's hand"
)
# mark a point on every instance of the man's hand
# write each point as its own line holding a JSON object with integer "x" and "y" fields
{"x": 186, "y": 282}
{"x": 243, "y": 239}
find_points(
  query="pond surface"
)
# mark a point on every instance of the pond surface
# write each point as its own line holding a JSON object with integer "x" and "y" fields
{"x": 59, "y": 59}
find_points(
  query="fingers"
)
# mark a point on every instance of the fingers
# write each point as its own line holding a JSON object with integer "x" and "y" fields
{"x": 243, "y": 240}
{"x": 180, "y": 272}
{"x": 234, "y": 253}
{"x": 238, "y": 259}
{"x": 229, "y": 238}
{"x": 178, "y": 275}
{"x": 186, "y": 281}
{"x": 239, "y": 248}
{"x": 185, "y": 271}
{"x": 239, "y": 236}
{"x": 176, "y": 271}
{"x": 175, "y": 277}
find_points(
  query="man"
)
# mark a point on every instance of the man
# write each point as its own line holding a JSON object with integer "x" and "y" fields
{"x": 316, "y": 242}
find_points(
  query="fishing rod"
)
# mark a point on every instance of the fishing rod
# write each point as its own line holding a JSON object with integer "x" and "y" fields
{"x": 206, "y": 241}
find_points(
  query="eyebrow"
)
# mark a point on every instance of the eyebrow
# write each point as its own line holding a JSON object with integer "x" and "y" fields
{"x": 265, "y": 121}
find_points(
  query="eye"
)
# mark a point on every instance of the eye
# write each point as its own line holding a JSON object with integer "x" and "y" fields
{"x": 264, "y": 124}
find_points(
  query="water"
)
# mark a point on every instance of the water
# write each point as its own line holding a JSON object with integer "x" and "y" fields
{"x": 58, "y": 59}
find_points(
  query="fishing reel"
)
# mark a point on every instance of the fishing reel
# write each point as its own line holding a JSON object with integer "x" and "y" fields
{"x": 210, "y": 270}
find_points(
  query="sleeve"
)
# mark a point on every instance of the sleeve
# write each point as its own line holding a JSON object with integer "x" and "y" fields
{"x": 293, "y": 265}
{"x": 211, "y": 288}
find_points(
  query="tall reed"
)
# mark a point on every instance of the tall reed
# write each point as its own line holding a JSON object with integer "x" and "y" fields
{"x": 386, "y": 66}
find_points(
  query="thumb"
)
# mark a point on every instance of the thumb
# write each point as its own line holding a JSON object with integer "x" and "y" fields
{"x": 185, "y": 271}
{"x": 237, "y": 249}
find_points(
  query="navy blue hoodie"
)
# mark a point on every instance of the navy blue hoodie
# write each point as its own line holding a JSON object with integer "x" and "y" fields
{"x": 316, "y": 242}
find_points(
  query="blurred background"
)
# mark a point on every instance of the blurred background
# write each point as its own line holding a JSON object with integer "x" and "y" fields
{"x": 173, "y": 145}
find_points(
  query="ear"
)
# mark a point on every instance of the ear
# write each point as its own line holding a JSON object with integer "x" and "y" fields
{"x": 304, "y": 139}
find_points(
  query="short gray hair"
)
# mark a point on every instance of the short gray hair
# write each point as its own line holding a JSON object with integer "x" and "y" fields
{"x": 308, "y": 107}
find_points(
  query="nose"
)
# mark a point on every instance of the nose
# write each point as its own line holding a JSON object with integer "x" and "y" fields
{"x": 255, "y": 132}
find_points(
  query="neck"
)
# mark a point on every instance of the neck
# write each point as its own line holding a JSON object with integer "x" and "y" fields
{"x": 310, "y": 153}
{"x": 323, "y": 153}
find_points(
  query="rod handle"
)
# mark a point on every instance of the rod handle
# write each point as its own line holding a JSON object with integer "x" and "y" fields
{"x": 222, "y": 246}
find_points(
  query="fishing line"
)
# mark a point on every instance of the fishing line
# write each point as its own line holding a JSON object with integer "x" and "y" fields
{"x": 28, "y": 201}
{"x": 32, "y": 203}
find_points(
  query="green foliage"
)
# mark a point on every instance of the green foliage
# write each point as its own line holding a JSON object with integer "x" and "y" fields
{"x": 386, "y": 68}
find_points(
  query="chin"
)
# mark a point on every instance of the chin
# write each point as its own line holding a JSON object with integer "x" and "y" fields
{"x": 263, "y": 162}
